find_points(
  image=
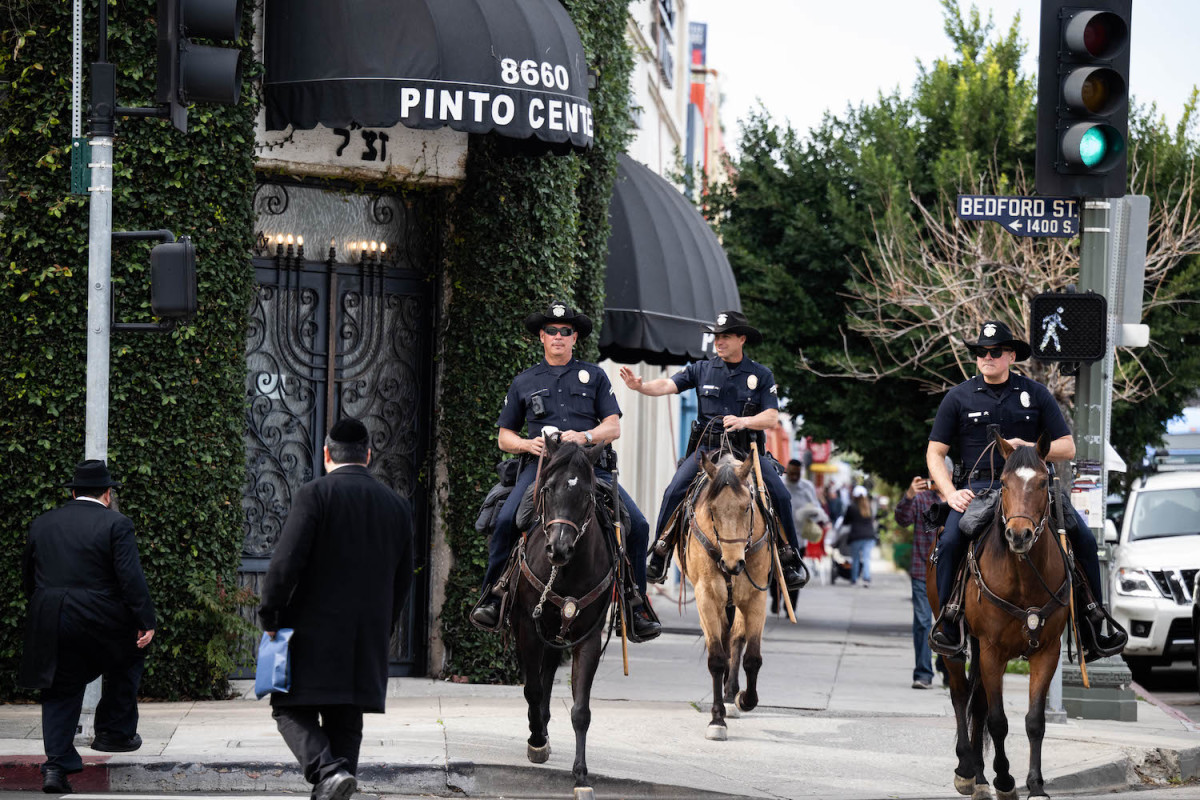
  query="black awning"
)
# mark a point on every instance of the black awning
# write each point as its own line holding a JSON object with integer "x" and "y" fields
{"x": 667, "y": 274}
{"x": 515, "y": 67}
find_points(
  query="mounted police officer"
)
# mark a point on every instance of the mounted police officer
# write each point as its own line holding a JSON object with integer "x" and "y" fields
{"x": 1024, "y": 410}
{"x": 576, "y": 398}
{"x": 738, "y": 398}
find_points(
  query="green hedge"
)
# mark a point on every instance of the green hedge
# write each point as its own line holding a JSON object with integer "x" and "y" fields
{"x": 175, "y": 428}
{"x": 523, "y": 229}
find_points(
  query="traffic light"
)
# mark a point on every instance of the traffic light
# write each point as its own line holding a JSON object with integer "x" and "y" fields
{"x": 1083, "y": 98}
{"x": 173, "y": 279}
{"x": 197, "y": 73}
{"x": 1067, "y": 326}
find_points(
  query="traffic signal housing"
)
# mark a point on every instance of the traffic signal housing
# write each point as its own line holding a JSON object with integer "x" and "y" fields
{"x": 1083, "y": 98}
{"x": 197, "y": 73}
{"x": 173, "y": 279}
{"x": 1068, "y": 326}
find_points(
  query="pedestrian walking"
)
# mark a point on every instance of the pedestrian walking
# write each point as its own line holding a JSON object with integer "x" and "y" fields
{"x": 861, "y": 537}
{"x": 917, "y": 508}
{"x": 90, "y": 616}
{"x": 339, "y": 577}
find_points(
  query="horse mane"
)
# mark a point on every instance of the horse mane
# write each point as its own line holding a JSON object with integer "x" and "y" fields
{"x": 567, "y": 456}
{"x": 1024, "y": 456}
{"x": 726, "y": 478}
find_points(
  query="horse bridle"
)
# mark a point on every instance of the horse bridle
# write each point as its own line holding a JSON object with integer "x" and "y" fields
{"x": 1038, "y": 525}
{"x": 714, "y": 550}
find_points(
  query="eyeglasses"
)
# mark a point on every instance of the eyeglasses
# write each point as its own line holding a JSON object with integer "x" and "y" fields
{"x": 550, "y": 330}
{"x": 994, "y": 352}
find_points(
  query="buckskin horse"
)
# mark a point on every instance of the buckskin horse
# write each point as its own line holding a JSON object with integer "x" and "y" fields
{"x": 724, "y": 550}
{"x": 1016, "y": 604}
{"x": 568, "y": 567}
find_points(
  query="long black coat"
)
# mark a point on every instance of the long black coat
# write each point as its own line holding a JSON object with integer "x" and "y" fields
{"x": 81, "y": 569}
{"x": 339, "y": 577}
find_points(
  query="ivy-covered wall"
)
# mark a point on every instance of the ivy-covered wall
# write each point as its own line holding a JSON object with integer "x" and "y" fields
{"x": 176, "y": 421}
{"x": 523, "y": 229}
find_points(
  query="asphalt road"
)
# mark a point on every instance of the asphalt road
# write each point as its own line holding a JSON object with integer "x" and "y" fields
{"x": 1176, "y": 686}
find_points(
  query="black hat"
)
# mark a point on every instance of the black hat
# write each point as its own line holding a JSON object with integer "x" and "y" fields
{"x": 735, "y": 322}
{"x": 349, "y": 431}
{"x": 92, "y": 474}
{"x": 559, "y": 312}
{"x": 997, "y": 334}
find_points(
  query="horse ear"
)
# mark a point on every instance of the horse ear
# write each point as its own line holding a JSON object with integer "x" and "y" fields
{"x": 745, "y": 469}
{"x": 551, "y": 445}
{"x": 594, "y": 453}
{"x": 1006, "y": 449}
{"x": 1043, "y": 445}
{"x": 707, "y": 465}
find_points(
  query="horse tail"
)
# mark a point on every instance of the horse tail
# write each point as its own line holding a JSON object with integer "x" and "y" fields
{"x": 977, "y": 706}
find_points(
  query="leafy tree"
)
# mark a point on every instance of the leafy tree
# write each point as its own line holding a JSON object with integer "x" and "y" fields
{"x": 848, "y": 252}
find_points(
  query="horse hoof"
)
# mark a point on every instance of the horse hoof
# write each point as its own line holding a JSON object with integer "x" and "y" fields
{"x": 732, "y": 711}
{"x": 716, "y": 733}
{"x": 1012, "y": 794}
{"x": 584, "y": 793}
{"x": 539, "y": 755}
{"x": 742, "y": 704}
{"x": 982, "y": 792}
{"x": 964, "y": 786}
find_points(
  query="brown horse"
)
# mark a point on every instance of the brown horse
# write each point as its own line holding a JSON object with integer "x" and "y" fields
{"x": 726, "y": 554}
{"x": 565, "y": 586}
{"x": 1016, "y": 604}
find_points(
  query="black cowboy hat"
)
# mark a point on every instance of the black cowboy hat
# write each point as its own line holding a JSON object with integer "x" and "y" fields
{"x": 92, "y": 474}
{"x": 735, "y": 322}
{"x": 997, "y": 334}
{"x": 559, "y": 312}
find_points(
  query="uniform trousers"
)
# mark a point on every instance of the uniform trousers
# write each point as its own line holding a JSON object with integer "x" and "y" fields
{"x": 504, "y": 535}
{"x": 85, "y": 654}
{"x": 951, "y": 547}
{"x": 324, "y": 738}
{"x": 781, "y": 499}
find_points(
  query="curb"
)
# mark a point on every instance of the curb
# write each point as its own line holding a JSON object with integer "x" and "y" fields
{"x": 459, "y": 779}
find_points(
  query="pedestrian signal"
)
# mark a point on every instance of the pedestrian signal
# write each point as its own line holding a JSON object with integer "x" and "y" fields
{"x": 1067, "y": 326}
{"x": 1083, "y": 98}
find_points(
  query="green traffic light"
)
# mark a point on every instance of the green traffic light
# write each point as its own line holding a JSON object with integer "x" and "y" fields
{"x": 1093, "y": 147}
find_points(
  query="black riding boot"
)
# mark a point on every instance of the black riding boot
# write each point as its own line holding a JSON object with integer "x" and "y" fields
{"x": 486, "y": 613}
{"x": 642, "y": 623}
{"x": 947, "y": 638}
{"x": 1095, "y": 643}
{"x": 660, "y": 559}
{"x": 795, "y": 574}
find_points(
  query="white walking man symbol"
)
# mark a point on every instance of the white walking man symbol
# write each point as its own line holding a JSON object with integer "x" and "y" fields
{"x": 1050, "y": 324}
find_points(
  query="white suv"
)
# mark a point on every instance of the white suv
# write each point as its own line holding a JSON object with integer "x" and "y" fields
{"x": 1153, "y": 568}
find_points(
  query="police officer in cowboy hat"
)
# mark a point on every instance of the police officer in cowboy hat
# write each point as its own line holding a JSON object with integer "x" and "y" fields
{"x": 1024, "y": 410}
{"x": 576, "y": 398}
{"x": 737, "y": 396}
{"x": 90, "y": 615}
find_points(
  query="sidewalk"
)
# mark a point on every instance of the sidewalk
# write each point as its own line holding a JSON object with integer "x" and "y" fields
{"x": 838, "y": 719}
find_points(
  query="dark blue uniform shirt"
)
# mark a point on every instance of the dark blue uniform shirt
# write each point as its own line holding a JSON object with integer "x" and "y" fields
{"x": 1023, "y": 410}
{"x": 574, "y": 396}
{"x": 723, "y": 388}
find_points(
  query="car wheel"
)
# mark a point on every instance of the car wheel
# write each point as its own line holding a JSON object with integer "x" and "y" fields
{"x": 1139, "y": 666}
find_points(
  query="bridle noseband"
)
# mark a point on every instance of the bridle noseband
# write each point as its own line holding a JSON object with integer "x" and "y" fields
{"x": 1038, "y": 525}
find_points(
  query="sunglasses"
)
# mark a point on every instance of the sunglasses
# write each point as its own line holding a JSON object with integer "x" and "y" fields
{"x": 550, "y": 330}
{"x": 994, "y": 352}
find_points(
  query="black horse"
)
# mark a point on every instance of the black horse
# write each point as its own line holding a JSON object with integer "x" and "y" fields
{"x": 565, "y": 585}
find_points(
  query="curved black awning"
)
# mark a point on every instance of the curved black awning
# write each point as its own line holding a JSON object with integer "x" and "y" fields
{"x": 515, "y": 67}
{"x": 667, "y": 274}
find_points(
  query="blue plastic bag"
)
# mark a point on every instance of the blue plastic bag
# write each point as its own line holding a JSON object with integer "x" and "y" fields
{"x": 274, "y": 670}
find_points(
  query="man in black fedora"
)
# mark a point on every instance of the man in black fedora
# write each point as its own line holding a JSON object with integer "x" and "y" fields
{"x": 339, "y": 578}
{"x": 738, "y": 400}
{"x": 1023, "y": 409}
{"x": 577, "y": 399}
{"x": 90, "y": 615}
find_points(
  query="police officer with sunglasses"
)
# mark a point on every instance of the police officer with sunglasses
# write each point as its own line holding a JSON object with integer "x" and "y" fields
{"x": 1023, "y": 409}
{"x": 577, "y": 398}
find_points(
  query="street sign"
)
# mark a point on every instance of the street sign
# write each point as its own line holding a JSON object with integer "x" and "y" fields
{"x": 1024, "y": 216}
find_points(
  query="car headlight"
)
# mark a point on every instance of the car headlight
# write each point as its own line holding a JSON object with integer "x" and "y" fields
{"x": 1136, "y": 583}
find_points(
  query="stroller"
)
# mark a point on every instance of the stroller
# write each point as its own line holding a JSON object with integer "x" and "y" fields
{"x": 839, "y": 567}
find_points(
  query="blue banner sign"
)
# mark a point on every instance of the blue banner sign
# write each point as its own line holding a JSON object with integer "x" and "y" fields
{"x": 1024, "y": 216}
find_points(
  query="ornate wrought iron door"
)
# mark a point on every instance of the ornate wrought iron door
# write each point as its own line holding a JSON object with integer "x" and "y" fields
{"x": 328, "y": 340}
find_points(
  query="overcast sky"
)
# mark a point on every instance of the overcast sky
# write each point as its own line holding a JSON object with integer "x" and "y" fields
{"x": 804, "y": 57}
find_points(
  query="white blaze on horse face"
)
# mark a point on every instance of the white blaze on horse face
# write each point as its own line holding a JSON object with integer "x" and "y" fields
{"x": 572, "y": 481}
{"x": 1026, "y": 474}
